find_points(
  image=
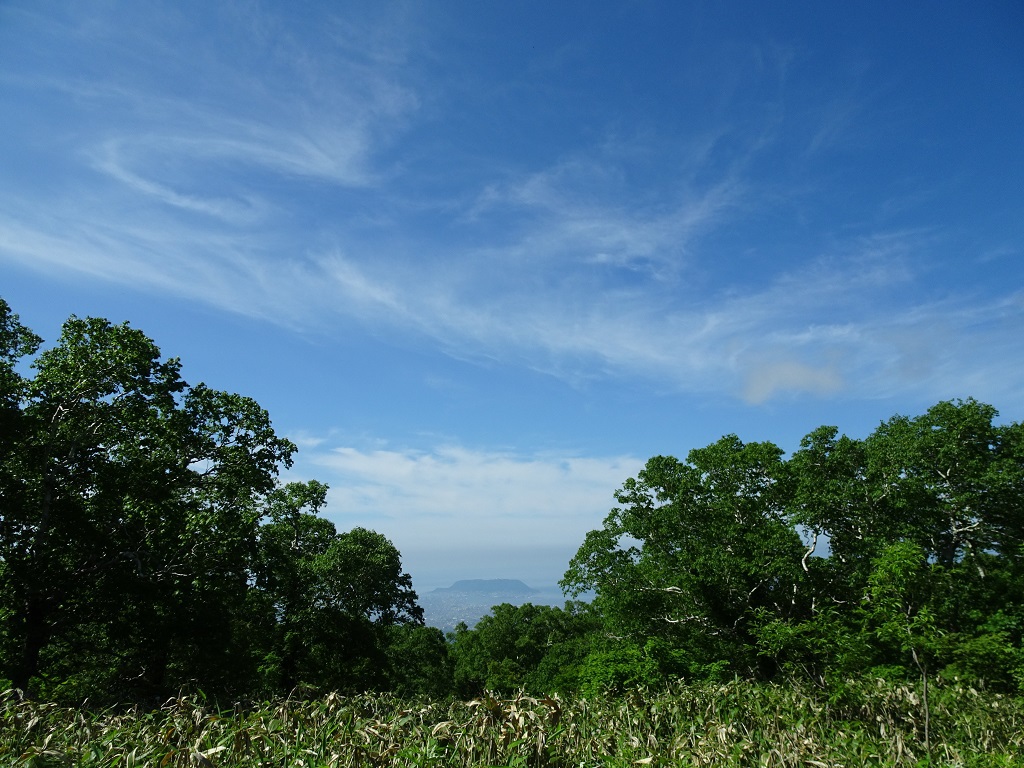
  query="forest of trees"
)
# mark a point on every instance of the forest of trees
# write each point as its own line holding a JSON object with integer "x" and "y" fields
{"x": 147, "y": 546}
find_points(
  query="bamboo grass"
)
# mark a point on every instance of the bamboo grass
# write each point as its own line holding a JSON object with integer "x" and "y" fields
{"x": 865, "y": 723}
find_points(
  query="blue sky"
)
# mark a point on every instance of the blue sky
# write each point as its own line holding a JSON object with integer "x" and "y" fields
{"x": 482, "y": 260}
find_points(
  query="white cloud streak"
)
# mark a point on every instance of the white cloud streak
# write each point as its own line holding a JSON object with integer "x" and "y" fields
{"x": 452, "y": 498}
{"x": 817, "y": 332}
{"x": 567, "y": 269}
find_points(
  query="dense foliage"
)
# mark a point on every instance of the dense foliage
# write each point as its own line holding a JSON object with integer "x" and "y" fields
{"x": 898, "y": 556}
{"x": 146, "y": 545}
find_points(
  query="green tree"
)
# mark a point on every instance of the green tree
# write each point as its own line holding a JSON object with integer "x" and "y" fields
{"x": 947, "y": 484}
{"x": 145, "y": 543}
{"x": 537, "y": 648}
{"x": 361, "y": 594}
{"x": 739, "y": 557}
{"x": 698, "y": 556}
{"x": 16, "y": 343}
{"x": 288, "y": 547}
{"x": 419, "y": 662}
{"x": 952, "y": 480}
{"x": 896, "y": 605}
{"x": 129, "y": 513}
{"x": 328, "y": 599}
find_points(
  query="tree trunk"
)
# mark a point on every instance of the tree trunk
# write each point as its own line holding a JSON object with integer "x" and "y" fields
{"x": 36, "y": 633}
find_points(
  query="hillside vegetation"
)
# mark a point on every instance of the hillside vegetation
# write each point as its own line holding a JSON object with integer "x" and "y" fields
{"x": 733, "y": 724}
{"x": 871, "y": 589}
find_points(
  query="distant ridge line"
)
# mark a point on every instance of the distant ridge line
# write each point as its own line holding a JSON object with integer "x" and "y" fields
{"x": 508, "y": 586}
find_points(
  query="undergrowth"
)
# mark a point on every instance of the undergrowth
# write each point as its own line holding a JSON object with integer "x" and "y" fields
{"x": 864, "y": 723}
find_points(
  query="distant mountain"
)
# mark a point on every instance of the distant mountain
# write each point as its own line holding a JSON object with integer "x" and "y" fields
{"x": 490, "y": 586}
{"x": 470, "y": 600}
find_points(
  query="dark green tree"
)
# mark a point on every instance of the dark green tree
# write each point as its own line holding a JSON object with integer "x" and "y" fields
{"x": 289, "y": 544}
{"x": 145, "y": 544}
{"x": 328, "y": 599}
{"x": 125, "y": 544}
{"x": 16, "y": 343}
{"x": 700, "y": 554}
{"x": 537, "y": 648}
{"x": 948, "y": 485}
{"x": 419, "y": 662}
{"x": 740, "y": 561}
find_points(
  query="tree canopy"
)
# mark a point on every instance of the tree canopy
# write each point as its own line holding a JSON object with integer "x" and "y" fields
{"x": 849, "y": 556}
{"x": 146, "y": 543}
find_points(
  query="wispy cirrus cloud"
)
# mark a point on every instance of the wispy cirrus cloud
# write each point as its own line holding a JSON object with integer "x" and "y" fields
{"x": 239, "y": 210}
{"x": 194, "y": 125}
{"x": 584, "y": 213}
{"x": 816, "y": 331}
{"x": 608, "y": 261}
{"x": 838, "y": 326}
{"x": 179, "y": 176}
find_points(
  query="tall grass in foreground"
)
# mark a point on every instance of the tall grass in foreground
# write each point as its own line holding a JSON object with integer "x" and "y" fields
{"x": 869, "y": 723}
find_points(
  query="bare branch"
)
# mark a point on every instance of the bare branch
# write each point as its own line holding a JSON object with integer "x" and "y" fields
{"x": 809, "y": 552}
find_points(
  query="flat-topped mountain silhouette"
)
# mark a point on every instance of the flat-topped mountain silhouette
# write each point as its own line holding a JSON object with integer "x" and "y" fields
{"x": 490, "y": 586}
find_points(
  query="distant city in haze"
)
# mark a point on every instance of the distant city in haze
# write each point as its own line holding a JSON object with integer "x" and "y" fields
{"x": 480, "y": 261}
{"x": 468, "y": 600}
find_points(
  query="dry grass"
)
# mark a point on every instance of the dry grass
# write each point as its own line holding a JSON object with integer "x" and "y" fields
{"x": 739, "y": 724}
